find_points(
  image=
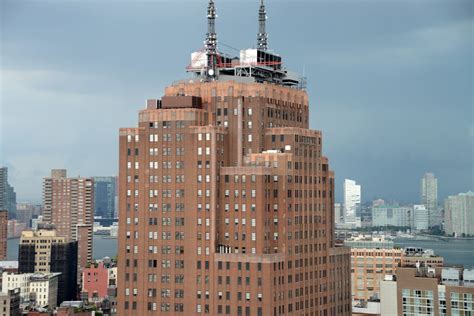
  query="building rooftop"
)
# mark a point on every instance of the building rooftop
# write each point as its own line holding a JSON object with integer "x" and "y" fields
{"x": 38, "y": 277}
{"x": 259, "y": 64}
{"x": 452, "y": 276}
{"x": 8, "y": 264}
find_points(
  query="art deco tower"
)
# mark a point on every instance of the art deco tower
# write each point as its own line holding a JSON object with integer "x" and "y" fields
{"x": 226, "y": 201}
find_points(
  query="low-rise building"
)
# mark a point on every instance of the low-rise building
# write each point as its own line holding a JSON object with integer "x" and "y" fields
{"x": 95, "y": 280}
{"x": 41, "y": 288}
{"x": 10, "y": 302}
{"x": 7, "y": 266}
{"x": 369, "y": 242}
{"x": 424, "y": 257}
{"x": 428, "y": 291}
{"x": 371, "y": 259}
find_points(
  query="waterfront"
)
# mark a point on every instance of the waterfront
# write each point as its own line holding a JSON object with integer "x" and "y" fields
{"x": 454, "y": 251}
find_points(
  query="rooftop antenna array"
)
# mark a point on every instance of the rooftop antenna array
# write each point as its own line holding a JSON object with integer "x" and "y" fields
{"x": 210, "y": 43}
{"x": 262, "y": 36}
{"x": 250, "y": 65}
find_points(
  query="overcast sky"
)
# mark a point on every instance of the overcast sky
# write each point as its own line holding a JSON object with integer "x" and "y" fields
{"x": 390, "y": 82}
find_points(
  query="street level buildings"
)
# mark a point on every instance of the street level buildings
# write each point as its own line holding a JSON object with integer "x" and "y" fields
{"x": 226, "y": 199}
{"x": 68, "y": 204}
{"x": 459, "y": 214}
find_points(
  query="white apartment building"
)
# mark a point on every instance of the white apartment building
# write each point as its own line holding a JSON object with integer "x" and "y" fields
{"x": 352, "y": 199}
{"x": 420, "y": 218}
{"x": 459, "y": 214}
{"x": 391, "y": 215}
{"x": 45, "y": 287}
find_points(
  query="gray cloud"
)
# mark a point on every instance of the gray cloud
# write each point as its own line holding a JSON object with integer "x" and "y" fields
{"x": 390, "y": 82}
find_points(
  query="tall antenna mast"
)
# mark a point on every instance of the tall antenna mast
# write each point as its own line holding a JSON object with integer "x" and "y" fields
{"x": 211, "y": 41}
{"x": 262, "y": 36}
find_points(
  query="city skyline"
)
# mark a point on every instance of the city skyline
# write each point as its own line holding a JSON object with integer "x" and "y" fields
{"x": 323, "y": 167}
{"x": 95, "y": 76}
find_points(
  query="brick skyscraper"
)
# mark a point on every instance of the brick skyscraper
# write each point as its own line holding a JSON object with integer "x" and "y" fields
{"x": 226, "y": 201}
{"x": 68, "y": 204}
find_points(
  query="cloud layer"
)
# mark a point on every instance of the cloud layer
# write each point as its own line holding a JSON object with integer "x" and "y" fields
{"x": 390, "y": 82}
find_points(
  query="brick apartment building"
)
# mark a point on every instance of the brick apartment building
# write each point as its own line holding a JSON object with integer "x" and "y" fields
{"x": 68, "y": 204}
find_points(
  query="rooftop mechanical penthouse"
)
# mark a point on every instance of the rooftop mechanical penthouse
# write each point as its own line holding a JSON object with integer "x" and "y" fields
{"x": 226, "y": 200}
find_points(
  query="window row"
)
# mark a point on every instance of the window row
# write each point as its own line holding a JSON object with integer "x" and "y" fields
{"x": 167, "y": 124}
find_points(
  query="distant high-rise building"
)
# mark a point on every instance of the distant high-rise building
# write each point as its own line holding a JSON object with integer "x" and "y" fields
{"x": 68, "y": 204}
{"x": 378, "y": 202}
{"x": 7, "y": 194}
{"x": 226, "y": 200}
{"x": 352, "y": 199}
{"x": 391, "y": 215}
{"x": 105, "y": 196}
{"x": 419, "y": 217}
{"x": 338, "y": 213}
{"x": 3, "y": 234}
{"x": 459, "y": 214}
{"x": 435, "y": 217}
{"x": 43, "y": 251}
{"x": 3, "y": 187}
{"x": 429, "y": 191}
{"x": 25, "y": 212}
